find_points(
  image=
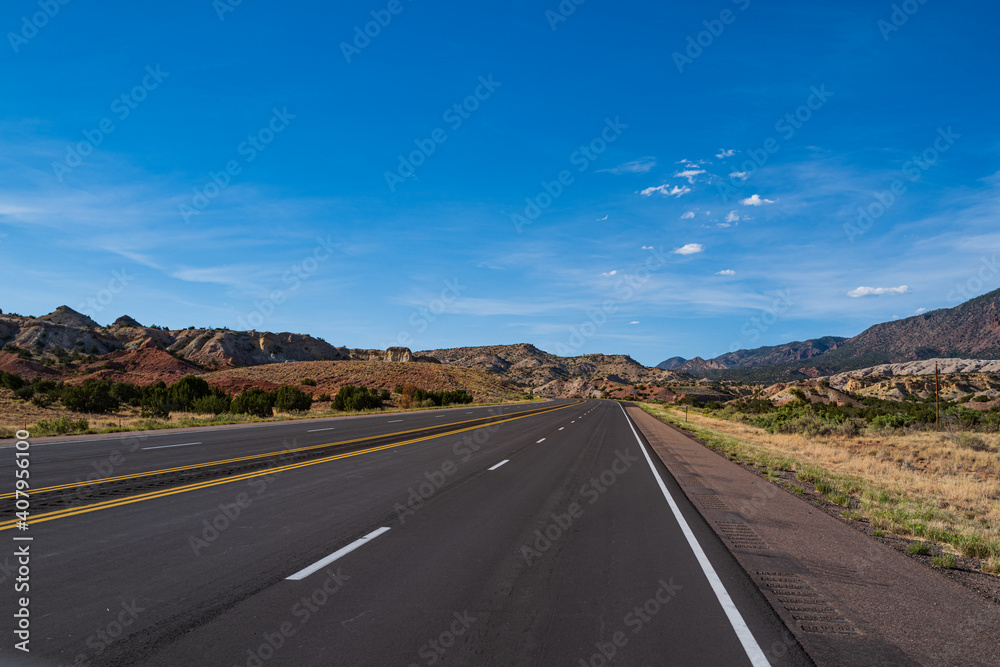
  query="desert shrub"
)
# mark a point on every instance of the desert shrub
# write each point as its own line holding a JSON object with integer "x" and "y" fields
{"x": 352, "y": 399}
{"x": 799, "y": 394}
{"x": 255, "y": 402}
{"x": 308, "y": 382}
{"x": 93, "y": 396}
{"x": 126, "y": 393}
{"x": 288, "y": 399}
{"x": 25, "y": 393}
{"x": 215, "y": 404}
{"x": 416, "y": 397}
{"x": 886, "y": 422}
{"x": 41, "y": 400}
{"x": 981, "y": 399}
{"x": 11, "y": 381}
{"x": 156, "y": 402}
{"x": 323, "y": 398}
{"x": 61, "y": 426}
{"x": 187, "y": 390}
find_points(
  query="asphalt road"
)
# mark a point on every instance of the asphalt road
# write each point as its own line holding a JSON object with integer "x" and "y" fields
{"x": 543, "y": 540}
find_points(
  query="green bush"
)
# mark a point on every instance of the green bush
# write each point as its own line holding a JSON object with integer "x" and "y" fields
{"x": 62, "y": 426}
{"x": 93, "y": 396}
{"x": 187, "y": 390}
{"x": 886, "y": 422}
{"x": 353, "y": 399}
{"x": 11, "y": 381}
{"x": 216, "y": 404}
{"x": 308, "y": 382}
{"x": 254, "y": 402}
{"x": 289, "y": 399}
{"x": 126, "y": 393}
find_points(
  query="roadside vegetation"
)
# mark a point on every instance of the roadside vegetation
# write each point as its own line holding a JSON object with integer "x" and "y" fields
{"x": 99, "y": 406}
{"x": 882, "y": 463}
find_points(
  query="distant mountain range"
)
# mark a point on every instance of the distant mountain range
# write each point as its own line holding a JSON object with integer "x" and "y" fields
{"x": 526, "y": 365}
{"x": 971, "y": 329}
{"x": 66, "y": 343}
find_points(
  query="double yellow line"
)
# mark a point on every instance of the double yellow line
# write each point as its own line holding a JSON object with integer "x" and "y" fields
{"x": 107, "y": 504}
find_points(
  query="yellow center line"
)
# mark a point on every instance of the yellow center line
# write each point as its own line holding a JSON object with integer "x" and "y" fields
{"x": 195, "y": 466}
{"x": 107, "y": 504}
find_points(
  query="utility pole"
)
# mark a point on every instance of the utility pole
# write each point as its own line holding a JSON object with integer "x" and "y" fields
{"x": 937, "y": 397}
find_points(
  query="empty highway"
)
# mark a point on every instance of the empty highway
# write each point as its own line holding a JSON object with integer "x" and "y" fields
{"x": 525, "y": 535}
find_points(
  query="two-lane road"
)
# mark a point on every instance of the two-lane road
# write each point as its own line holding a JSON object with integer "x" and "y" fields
{"x": 546, "y": 539}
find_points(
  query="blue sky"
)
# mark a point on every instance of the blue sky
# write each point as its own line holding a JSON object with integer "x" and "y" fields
{"x": 631, "y": 177}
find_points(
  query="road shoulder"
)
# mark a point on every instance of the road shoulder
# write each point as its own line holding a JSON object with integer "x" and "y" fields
{"x": 846, "y": 598}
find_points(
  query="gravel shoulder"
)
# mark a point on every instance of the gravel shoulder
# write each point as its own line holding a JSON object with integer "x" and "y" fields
{"x": 847, "y": 598}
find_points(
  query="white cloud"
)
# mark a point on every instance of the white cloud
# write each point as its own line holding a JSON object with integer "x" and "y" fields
{"x": 742, "y": 175}
{"x": 640, "y": 166}
{"x": 755, "y": 200}
{"x": 920, "y": 311}
{"x": 688, "y": 215}
{"x": 648, "y": 247}
{"x": 725, "y": 153}
{"x": 732, "y": 217}
{"x": 690, "y": 249}
{"x": 726, "y": 272}
{"x": 601, "y": 219}
{"x": 878, "y": 291}
{"x": 609, "y": 273}
{"x": 689, "y": 174}
{"x": 665, "y": 189}
{"x": 634, "y": 322}
{"x": 724, "y": 225}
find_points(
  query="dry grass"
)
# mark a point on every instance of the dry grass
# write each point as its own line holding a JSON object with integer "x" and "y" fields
{"x": 938, "y": 487}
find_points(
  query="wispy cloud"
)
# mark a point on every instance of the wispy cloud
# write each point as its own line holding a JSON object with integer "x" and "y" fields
{"x": 666, "y": 189}
{"x": 878, "y": 291}
{"x": 726, "y": 272}
{"x": 610, "y": 273}
{"x": 742, "y": 175}
{"x": 689, "y": 174}
{"x": 601, "y": 219}
{"x": 640, "y": 166}
{"x": 233, "y": 276}
{"x": 755, "y": 200}
{"x": 690, "y": 249}
{"x": 724, "y": 153}
{"x": 733, "y": 217}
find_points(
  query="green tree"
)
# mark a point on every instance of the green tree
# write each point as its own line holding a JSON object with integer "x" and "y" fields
{"x": 288, "y": 399}
{"x": 254, "y": 402}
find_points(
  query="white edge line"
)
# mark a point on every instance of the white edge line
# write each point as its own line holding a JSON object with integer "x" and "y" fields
{"x": 542, "y": 440}
{"x": 393, "y": 421}
{"x": 499, "y": 464}
{"x": 323, "y": 562}
{"x": 317, "y": 430}
{"x": 186, "y": 444}
{"x": 757, "y": 657}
